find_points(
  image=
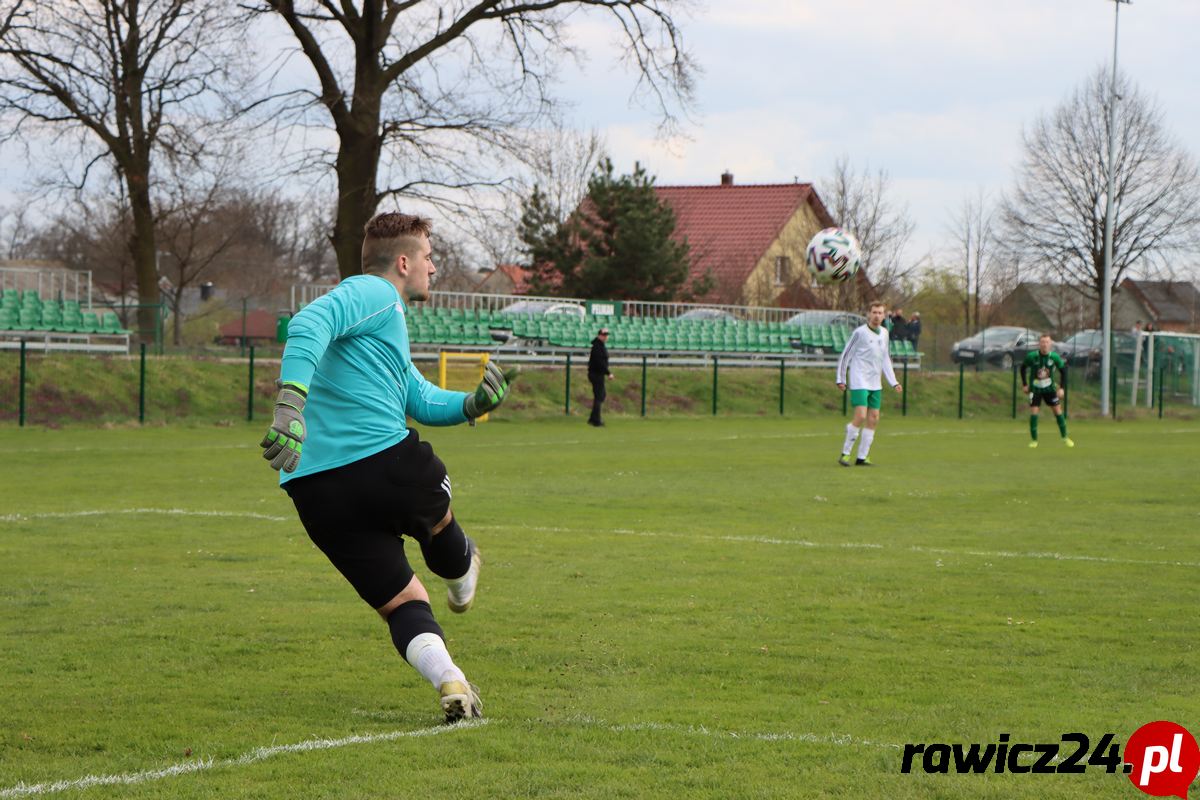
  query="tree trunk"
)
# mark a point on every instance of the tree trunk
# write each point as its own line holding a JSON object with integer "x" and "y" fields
{"x": 142, "y": 247}
{"x": 357, "y": 162}
{"x": 177, "y": 317}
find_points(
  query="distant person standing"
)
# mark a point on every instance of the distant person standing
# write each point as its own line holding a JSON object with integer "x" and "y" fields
{"x": 597, "y": 374}
{"x": 898, "y": 330}
{"x": 1040, "y": 365}
{"x": 914, "y": 329}
{"x": 864, "y": 362}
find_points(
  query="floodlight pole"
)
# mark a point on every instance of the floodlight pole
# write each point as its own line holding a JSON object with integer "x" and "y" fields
{"x": 1109, "y": 213}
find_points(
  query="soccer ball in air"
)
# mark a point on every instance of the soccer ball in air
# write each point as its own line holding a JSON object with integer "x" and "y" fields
{"x": 833, "y": 256}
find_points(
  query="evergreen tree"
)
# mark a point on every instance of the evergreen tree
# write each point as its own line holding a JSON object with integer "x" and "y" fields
{"x": 617, "y": 245}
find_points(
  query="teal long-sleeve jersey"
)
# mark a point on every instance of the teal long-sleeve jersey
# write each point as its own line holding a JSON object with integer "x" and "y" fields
{"x": 350, "y": 349}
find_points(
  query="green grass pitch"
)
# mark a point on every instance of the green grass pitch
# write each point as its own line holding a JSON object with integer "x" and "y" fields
{"x": 683, "y": 608}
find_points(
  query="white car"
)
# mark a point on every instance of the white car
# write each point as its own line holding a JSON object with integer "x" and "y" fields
{"x": 544, "y": 307}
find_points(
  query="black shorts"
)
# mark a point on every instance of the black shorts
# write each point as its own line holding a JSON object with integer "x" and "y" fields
{"x": 1037, "y": 396}
{"x": 357, "y": 513}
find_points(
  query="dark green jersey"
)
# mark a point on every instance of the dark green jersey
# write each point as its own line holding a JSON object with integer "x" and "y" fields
{"x": 1037, "y": 371}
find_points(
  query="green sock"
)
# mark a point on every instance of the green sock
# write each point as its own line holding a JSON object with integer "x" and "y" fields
{"x": 1062, "y": 424}
{"x": 1033, "y": 426}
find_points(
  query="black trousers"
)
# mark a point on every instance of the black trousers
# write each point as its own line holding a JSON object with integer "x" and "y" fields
{"x": 598, "y": 395}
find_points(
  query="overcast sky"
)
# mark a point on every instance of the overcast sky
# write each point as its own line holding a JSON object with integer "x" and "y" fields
{"x": 934, "y": 91}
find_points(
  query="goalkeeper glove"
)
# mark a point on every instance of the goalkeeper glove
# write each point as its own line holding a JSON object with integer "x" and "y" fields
{"x": 283, "y": 442}
{"x": 491, "y": 391}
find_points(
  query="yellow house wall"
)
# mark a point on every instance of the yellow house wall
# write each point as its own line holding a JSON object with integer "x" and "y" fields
{"x": 760, "y": 288}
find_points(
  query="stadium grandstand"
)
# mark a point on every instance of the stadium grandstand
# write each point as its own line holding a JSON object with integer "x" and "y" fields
{"x": 465, "y": 321}
{"x": 51, "y": 308}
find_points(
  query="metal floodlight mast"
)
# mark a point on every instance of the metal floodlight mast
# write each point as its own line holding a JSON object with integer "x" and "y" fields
{"x": 1109, "y": 213}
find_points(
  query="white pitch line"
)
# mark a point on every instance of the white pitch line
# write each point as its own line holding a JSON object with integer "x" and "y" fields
{"x": 257, "y": 754}
{"x": 1051, "y": 556}
{"x": 1040, "y": 556}
{"x": 263, "y": 753}
{"x": 1035, "y": 555}
{"x": 180, "y": 512}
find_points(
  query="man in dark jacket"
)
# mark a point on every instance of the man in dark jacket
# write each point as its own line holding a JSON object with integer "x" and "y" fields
{"x": 597, "y": 373}
{"x": 914, "y": 329}
{"x": 899, "y": 330}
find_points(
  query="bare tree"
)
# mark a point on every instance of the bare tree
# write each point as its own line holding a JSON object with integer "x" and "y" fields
{"x": 428, "y": 94}
{"x": 90, "y": 234}
{"x": 124, "y": 81}
{"x": 200, "y": 226}
{"x": 974, "y": 231}
{"x": 14, "y": 231}
{"x": 1056, "y": 213}
{"x": 860, "y": 203}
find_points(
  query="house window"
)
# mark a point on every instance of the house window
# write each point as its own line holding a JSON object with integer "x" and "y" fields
{"x": 783, "y": 269}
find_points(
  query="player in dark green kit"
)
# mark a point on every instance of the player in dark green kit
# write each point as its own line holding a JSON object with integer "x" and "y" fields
{"x": 1041, "y": 364}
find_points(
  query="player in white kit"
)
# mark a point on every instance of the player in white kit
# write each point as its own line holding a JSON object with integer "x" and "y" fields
{"x": 863, "y": 362}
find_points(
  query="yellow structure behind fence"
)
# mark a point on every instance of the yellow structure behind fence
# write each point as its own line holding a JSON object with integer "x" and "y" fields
{"x": 478, "y": 358}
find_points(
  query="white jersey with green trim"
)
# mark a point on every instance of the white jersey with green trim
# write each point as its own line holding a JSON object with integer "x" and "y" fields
{"x": 865, "y": 358}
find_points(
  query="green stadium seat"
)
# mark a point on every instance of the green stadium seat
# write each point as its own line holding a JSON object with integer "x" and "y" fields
{"x": 8, "y": 319}
{"x": 110, "y": 323}
{"x": 51, "y": 319}
{"x": 90, "y": 323}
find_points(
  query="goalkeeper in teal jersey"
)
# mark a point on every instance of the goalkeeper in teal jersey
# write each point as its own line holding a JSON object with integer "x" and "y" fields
{"x": 362, "y": 481}
{"x": 1042, "y": 388}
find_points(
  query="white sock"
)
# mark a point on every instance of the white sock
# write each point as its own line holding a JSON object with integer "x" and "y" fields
{"x": 464, "y": 586}
{"x": 851, "y": 435}
{"x": 864, "y": 442}
{"x": 428, "y": 655}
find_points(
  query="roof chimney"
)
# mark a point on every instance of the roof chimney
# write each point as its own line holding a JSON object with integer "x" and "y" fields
{"x": 727, "y": 178}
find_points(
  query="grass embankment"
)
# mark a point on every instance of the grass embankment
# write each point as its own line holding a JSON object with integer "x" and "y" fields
{"x": 66, "y": 389}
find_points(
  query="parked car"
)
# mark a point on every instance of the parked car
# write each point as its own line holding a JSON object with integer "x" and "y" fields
{"x": 708, "y": 315}
{"x": 826, "y": 317}
{"x": 1084, "y": 347}
{"x": 1001, "y": 346}
{"x": 544, "y": 307}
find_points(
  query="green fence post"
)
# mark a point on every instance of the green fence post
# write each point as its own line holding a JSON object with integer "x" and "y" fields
{"x": 961, "y": 366}
{"x": 21, "y": 390}
{"x": 643, "y": 386}
{"x": 1067, "y": 392}
{"x": 845, "y": 398}
{"x": 715, "y": 360}
{"x": 781, "y": 387}
{"x": 1014, "y": 393}
{"x": 1112, "y": 389}
{"x": 250, "y": 389}
{"x": 142, "y": 385}
{"x": 904, "y": 392}
{"x": 1161, "y": 377}
{"x": 567, "y": 400}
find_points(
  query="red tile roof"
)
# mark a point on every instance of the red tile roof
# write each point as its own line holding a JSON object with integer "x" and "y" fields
{"x": 730, "y": 227}
{"x": 516, "y": 274}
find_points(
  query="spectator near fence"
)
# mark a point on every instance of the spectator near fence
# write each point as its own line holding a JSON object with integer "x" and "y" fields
{"x": 597, "y": 374}
{"x": 899, "y": 327}
{"x": 914, "y": 329}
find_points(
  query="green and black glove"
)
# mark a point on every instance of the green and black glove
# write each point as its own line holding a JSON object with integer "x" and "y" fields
{"x": 283, "y": 442}
{"x": 491, "y": 390}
